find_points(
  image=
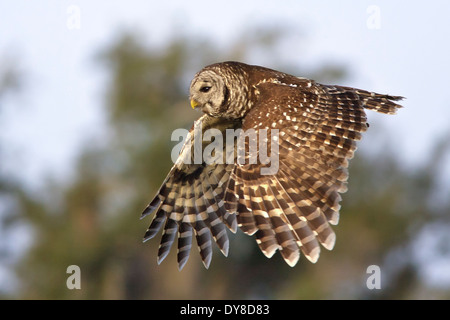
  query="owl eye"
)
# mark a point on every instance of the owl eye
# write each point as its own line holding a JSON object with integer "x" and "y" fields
{"x": 205, "y": 89}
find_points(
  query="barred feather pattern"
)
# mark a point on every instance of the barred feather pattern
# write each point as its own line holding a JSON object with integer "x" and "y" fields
{"x": 190, "y": 203}
{"x": 290, "y": 210}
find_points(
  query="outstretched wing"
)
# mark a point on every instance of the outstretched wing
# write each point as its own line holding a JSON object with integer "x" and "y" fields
{"x": 289, "y": 201}
{"x": 191, "y": 201}
{"x": 293, "y": 207}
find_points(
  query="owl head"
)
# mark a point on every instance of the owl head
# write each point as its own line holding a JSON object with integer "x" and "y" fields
{"x": 221, "y": 90}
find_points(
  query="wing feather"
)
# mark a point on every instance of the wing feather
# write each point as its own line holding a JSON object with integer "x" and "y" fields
{"x": 292, "y": 208}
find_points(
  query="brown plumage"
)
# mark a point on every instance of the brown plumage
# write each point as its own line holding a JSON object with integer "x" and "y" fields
{"x": 310, "y": 131}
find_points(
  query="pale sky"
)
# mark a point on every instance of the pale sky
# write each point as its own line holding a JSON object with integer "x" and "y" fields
{"x": 397, "y": 47}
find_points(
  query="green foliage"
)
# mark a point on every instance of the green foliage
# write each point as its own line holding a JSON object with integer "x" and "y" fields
{"x": 93, "y": 221}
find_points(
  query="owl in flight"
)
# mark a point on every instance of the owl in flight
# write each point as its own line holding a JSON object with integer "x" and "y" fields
{"x": 287, "y": 200}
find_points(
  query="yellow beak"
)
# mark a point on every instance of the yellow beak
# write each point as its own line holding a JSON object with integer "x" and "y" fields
{"x": 194, "y": 103}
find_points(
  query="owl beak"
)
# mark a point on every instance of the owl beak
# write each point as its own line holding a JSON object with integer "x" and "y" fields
{"x": 194, "y": 104}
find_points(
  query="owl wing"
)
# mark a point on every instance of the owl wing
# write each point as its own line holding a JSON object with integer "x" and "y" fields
{"x": 289, "y": 202}
{"x": 292, "y": 208}
{"x": 191, "y": 202}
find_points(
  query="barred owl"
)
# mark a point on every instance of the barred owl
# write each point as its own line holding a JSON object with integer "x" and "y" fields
{"x": 312, "y": 129}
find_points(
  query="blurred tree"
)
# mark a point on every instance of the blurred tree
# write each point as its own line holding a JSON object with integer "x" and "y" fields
{"x": 93, "y": 221}
{"x": 13, "y": 197}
